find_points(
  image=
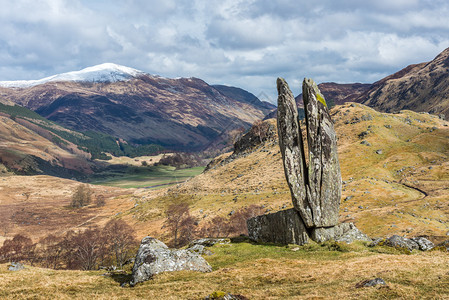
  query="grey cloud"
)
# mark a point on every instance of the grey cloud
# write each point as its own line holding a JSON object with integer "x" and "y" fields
{"x": 247, "y": 43}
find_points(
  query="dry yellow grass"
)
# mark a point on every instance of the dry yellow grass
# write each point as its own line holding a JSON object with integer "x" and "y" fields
{"x": 38, "y": 205}
{"x": 400, "y": 191}
{"x": 257, "y": 272}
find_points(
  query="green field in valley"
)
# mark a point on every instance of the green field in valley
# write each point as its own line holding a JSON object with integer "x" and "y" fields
{"x": 144, "y": 177}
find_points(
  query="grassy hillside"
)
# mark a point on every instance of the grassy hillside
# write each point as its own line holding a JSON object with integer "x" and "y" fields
{"x": 329, "y": 271}
{"x": 94, "y": 143}
{"x": 395, "y": 169}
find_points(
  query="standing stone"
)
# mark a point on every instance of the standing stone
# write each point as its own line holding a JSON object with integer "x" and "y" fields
{"x": 292, "y": 149}
{"x": 316, "y": 188}
{"x": 324, "y": 177}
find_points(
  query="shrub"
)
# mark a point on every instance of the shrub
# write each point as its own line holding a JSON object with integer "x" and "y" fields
{"x": 82, "y": 196}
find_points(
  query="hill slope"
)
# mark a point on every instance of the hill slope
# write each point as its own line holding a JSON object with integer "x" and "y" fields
{"x": 395, "y": 171}
{"x": 184, "y": 113}
{"x": 422, "y": 87}
{"x": 335, "y": 94}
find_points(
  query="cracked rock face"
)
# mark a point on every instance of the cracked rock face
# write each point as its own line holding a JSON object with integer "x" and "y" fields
{"x": 316, "y": 186}
{"x": 154, "y": 257}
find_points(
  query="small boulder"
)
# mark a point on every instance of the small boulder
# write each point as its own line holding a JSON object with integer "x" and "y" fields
{"x": 16, "y": 266}
{"x": 209, "y": 242}
{"x": 370, "y": 282}
{"x": 154, "y": 257}
{"x": 423, "y": 243}
{"x": 200, "y": 249}
{"x": 397, "y": 241}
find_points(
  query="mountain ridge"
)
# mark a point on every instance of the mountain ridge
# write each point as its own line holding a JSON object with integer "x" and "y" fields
{"x": 422, "y": 87}
{"x": 181, "y": 114}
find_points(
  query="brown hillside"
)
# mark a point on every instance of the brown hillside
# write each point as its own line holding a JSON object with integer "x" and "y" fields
{"x": 184, "y": 113}
{"x": 30, "y": 149}
{"x": 422, "y": 87}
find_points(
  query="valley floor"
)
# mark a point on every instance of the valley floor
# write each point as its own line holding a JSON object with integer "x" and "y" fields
{"x": 328, "y": 271}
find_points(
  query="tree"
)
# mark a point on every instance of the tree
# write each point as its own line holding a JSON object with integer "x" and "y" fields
{"x": 179, "y": 221}
{"x": 82, "y": 196}
{"x": 120, "y": 240}
{"x": 216, "y": 227}
{"x": 238, "y": 219}
{"x": 50, "y": 251}
{"x": 19, "y": 248}
{"x": 100, "y": 201}
{"x": 84, "y": 249}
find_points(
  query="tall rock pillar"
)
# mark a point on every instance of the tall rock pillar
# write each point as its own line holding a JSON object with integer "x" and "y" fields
{"x": 315, "y": 182}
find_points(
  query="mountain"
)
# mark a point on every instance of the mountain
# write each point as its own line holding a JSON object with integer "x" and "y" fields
{"x": 244, "y": 96}
{"x": 180, "y": 114}
{"x": 335, "y": 94}
{"x": 106, "y": 72}
{"x": 421, "y": 87}
{"x": 31, "y": 145}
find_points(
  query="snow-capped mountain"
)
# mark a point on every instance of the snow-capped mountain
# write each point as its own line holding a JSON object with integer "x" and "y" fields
{"x": 181, "y": 114}
{"x": 107, "y": 72}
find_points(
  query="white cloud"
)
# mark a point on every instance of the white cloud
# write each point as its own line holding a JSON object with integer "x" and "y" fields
{"x": 246, "y": 43}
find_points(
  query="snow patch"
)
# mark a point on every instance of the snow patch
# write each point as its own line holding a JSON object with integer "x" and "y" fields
{"x": 107, "y": 72}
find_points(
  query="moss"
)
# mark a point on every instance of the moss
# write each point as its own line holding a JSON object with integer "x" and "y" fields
{"x": 217, "y": 295}
{"x": 320, "y": 98}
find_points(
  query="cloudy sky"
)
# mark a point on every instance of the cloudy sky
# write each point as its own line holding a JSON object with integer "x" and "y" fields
{"x": 245, "y": 43}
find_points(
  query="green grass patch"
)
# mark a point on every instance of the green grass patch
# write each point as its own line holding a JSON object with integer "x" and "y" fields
{"x": 144, "y": 177}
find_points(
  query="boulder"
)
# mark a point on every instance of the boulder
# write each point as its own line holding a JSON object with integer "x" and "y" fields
{"x": 283, "y": 227}
{"x": 423, "y": 243}
{"x": 209, "y": 242}
{"x": 343, "y": 232}
{"x": 200, "y": 249}
{"x": 370, "y": 282}
{"x": 396, "y": 241}
{"x": 154, "y": 257}
{"x": 15, "y": 266}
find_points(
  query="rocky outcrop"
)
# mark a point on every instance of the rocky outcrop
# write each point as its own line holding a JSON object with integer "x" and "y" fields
{"x": 400, "y": 242}
{"x": 283, "y": 227}
{"x": 154, "y": 257}
{"x": 343, "y": 232}
{"x": 315, "y": 185}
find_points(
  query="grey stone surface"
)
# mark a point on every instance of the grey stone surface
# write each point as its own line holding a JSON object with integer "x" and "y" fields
{"x": 423, "y": 243}
{"x": 397, "y": 241}
{"x": 370, "y": 282}
{"x": 343, "y": 232}
{"x": 292, "y": 149}
{"x": 154, "y": 257}
{"x": 316, "y": 188}
{"x": 324, "y": 176}
{"x": 209, "y": 242}
{"x": 15, "y": 266}
{"x": 283, "y": 227}
{"x": 200, "y": 249}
